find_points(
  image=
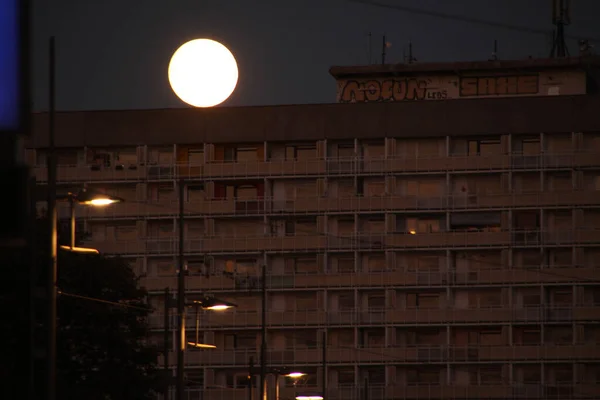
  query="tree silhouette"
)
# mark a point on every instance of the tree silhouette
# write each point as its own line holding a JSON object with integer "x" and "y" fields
{"x": 102, "y": 333}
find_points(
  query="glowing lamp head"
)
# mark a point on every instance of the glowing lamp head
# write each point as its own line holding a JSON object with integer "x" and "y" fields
{"x": 218, "y": 307}
{"x": 100, "y": 202}
{"x": 203, "y": 73}
{"x": 295, "y": 375}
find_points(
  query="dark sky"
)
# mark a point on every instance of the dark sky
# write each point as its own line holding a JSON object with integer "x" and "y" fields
{"x": 114, "y": 54}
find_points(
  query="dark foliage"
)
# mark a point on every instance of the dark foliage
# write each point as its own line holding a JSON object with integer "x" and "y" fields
{"x": 102, "y": 349}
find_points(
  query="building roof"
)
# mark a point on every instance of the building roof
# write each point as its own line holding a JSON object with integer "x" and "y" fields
{"x": 341, "y": 72}
{"x": 490, "y": 116}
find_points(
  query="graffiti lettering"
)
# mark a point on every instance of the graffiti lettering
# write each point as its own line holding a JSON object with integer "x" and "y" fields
{"x": 499, "y": 85}
{"x": 388, "y": 90}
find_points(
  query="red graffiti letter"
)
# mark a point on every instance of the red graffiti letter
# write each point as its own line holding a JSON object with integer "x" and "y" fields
{"x": 352, "y": 93}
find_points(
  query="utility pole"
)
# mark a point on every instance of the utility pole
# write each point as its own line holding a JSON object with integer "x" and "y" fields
{"x": 561, "y": 16}
{"x": 180, "y": 301}
{"x": 167, "y": 347}
{"x": 52, "y": 221}
{"x": 250, "y": 377}
{"x": 383, "y": 46}
{"x": 263, "y": 345}
{"x": 324, "y": 366}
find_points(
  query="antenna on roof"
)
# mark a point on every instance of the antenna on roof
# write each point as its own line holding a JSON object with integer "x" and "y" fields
{"x": 383, "y": 47}
{"x": 495, "y": 52}
{"x": 369, "y": 49}
{"x": 410, "y": 59}
{"x": 561, "y": 16}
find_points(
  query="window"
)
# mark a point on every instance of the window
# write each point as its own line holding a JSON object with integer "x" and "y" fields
{"x": 531, "y": 374}
{"x": 531, "y": 146}
{"x": 373, "y": 338}
{"x": 346, "y": 376}
{"x": 165, "y": 192}
{"x": 125, "y": 232}
{"x": 376, "y": 263}
{"x": 240, "y": 340}
{"x": 376, "y": 375}
{"x": 531, "y": 299}
{"x": 562, "y": 297}
{"x": 422, "y": 225}
{"x": 196, "y": 156}
{"x": 559, "y": 335}
{"x": 423, "y": 376}
{"x": 346, "y": 265}
{"x": 300, "y": 152}
{"x": 345, "y": 150}
{"x": 376, "y": 301}
{"x": 346, "y": 301}
{"x": 229, "y": 154}
{"x": 531, "y": 336}
{"x": 241, "y": 381}
{"x": 165, "y": 268}
{"x": 196, "y": 268}
{"x": 195, "y": 192}
{"x": 490, "y": 375}
{"x": 422, "y": 300}
{"x": 246, "y": 154}
{"x": 491, "y": 337}
{"x": 305, "y": 301}
{"x": 306, "y": 266}
{"x": 484, "y": 147}
{"x": 246, "y": 192}
{"x": 305, "y": 338}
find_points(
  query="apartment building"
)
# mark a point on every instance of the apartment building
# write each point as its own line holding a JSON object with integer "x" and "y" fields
{"x": 433, "y": 246}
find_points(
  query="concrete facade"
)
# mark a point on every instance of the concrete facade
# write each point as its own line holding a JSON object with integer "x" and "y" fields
{"x": 446, "y": 249}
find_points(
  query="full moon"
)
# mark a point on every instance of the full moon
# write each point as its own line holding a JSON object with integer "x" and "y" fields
{"x": 203, "y": 73}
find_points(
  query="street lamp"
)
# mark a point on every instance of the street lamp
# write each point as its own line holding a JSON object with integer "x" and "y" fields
{"x": 206, "y": 303}
{"x": 87, "y": 198}
{"x": 309, "y": 397}
{"x": 293, "y": 375}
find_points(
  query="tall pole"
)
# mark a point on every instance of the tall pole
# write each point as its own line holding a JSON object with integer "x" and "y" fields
{"x": 324, "y": 366}
{"x": 72, "y": 221}
{"x": 250, "y": 377}
{"x": 263, "y": 345}
{"x": 52, "y": 261}
{"x": 33, "y": 285}
{"x": 180, "y": 301}
{"x": 167, "y": 348}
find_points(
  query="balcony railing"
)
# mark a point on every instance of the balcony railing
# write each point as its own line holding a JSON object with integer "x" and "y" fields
{"x": 393, "y": 278}
{"x": 393, "y": 316}
{"x": 352, "y": 242}
{"x": 475, "y": 391}
{"x": 317, "y": 204}
{"x": 316, "y": 167}
{"x": 393, "y": 355}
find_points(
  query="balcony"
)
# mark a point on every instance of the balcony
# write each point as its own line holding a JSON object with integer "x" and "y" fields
{"x": 343, "y": 355}
{"x": 317, "y": 205}
{"x": 319, "y": 167}
{"x": 390, "y": 316}
{"x": 378, "y": 391}
{"x": 93, "y": 173}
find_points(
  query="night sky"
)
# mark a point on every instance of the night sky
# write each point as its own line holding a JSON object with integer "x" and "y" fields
{"x": 114, "y": 54}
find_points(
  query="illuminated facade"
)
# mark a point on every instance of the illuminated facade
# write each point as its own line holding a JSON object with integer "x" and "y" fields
{"x": 445, "y": 249}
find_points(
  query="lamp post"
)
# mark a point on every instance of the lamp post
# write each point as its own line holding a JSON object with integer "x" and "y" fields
{"x": 206, "y": 303}
{"x": 88, "y": 198}
{"x": 293, "y": 375}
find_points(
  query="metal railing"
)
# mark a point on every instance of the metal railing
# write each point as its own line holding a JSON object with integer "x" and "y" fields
{"x": 396, "y": 316}
{"x": 330, "y": 166}
{"x": 351, "y": 242}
